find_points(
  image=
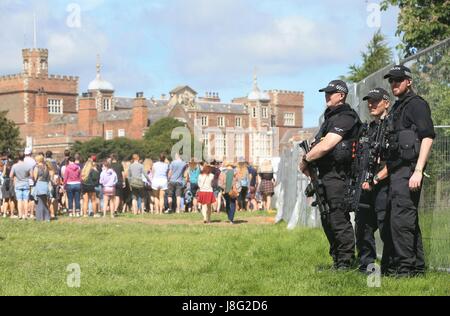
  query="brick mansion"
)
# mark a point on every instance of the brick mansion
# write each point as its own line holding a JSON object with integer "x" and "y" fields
{"x": 51, "y": 114}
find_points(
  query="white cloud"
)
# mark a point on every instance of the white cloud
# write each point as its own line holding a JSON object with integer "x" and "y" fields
{"x": 230, "y": 38}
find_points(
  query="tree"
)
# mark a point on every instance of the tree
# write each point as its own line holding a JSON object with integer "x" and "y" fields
{"x": 102, "y": 148}
{"x": 421, "y": 23}
{"x": 378, "y": 55}
{"x": 9, "y": 135}
{"x": 158, "y": 138}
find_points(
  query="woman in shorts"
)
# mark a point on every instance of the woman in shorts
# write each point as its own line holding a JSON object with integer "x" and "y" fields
{"x": 108, "y": 180}
{"x": 159, "y": 183}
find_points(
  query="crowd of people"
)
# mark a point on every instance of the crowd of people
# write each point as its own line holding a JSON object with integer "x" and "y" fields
{"x": 38, "y": 187}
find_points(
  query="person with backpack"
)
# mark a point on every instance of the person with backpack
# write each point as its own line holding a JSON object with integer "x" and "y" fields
{"x": 243, "y": 178}
{"x": 228, "y": 183}
{"x": 90, "y": 178}
{"x": 54, "y": 182}
{"x": 332, "y": 154}
{"x": 42, "y": 175}
{"x": 136, "y": 175}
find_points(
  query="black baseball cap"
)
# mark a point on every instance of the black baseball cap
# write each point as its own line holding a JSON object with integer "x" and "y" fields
{"x": 399, "y": 71}
{"x": 336, "y": 86}
{"x": 377, "y": 94}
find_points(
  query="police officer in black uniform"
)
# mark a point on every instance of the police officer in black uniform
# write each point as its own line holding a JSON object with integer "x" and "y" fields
{"x": 332, "y": 152}
{"x": 372, "y": 216}
{"x": 411, "y": 135}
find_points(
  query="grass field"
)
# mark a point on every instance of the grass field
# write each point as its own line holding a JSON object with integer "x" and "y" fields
{"x": 179, "y": 255}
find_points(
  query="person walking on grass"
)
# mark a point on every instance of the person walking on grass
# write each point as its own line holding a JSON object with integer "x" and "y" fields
{"x": 148, "y": 192}
{"x": 72, "y": 183}
{"x": 206, "y": 196}
{"x": 31, "y": 163}
{"x": 90, "y": 179}
{"x": 228, "y": 181}
{"x": 42, "y": 175}
{"x": 108, "y": 180}
{"x": 176, "y": 181}
{"x": 136, "y": 175}
{"x": 266, "y": 184}
{"x": 8, "y": 190}
{"x": 120, "y": 185}
{"x": 159, "y": 183}
{"x": 252, "y": 170}
{"x": 192, "y": 174}
{"x": 20, "y": 173}
{"x": 215, "y": 170}
{"x": 243, "y": 178}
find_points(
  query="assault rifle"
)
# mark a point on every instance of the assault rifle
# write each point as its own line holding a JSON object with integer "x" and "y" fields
{"x": 315, "y": 186}
{"x": 365, "y": 165}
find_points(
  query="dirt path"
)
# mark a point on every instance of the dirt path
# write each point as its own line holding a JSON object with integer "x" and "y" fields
{"x": 167, "y": 221}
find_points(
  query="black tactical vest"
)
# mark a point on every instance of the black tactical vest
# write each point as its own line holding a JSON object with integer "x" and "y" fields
{"x": 403, "y": 144}
{"x": 342, "y": 154}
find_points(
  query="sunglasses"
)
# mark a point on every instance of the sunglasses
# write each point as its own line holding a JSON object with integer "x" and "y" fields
{"x": 396, "y": 80}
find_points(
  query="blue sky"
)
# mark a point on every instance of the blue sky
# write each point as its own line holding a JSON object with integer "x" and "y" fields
{"x": 211, "y": 45}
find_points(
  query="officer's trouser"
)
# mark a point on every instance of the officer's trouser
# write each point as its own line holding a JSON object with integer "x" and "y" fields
{"x": 367, "y": 221}
{"x": 403, "y": 221}
{"x": 337, "y": 225}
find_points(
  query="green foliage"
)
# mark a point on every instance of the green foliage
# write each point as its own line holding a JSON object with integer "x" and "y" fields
{"x": 157, "y": 140}
{"x": 378, "y": 55}
{"x": 431, "y": 75}
{"x": 421, "y": 23}
{"x": 9, "y": 135}
{"x": 123, "y": 147}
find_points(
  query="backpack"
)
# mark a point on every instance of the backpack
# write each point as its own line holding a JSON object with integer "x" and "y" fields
{"x": 93, "y": 178}
{"x": 137, "y": 183}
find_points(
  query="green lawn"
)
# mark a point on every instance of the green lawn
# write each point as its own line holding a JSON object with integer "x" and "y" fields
{"x": 179, "y": 255}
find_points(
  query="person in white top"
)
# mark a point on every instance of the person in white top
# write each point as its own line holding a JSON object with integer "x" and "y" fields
{"x": 205, "y": 193}
{"x": 159, "y": 183}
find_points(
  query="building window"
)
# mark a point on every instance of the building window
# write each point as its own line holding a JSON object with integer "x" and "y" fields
{"x": 238, "y": 121}
{"x": 289, "y": 119}
{"x": 254, "y": 113}
{"x": 239, "y": 145}
{"x": 204, "y": 121}
{"x": 107, "y": 104}
{"x": 109, "y": 135}
{"x": 221, "y": 121}
{"x": 121, "y": 133}
{"x": 261, "y": 146}
{"x": 206, "y": 145}
{"x": 220, "y": 146}
{"x": 55, "y": 106}
{"x": 264, "y": 112}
